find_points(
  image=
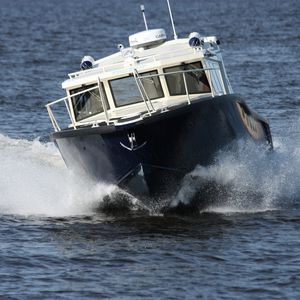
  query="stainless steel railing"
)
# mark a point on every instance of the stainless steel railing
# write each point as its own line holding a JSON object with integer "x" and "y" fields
{"x": 68, "y": 106}
{"x": 146, "y": 99}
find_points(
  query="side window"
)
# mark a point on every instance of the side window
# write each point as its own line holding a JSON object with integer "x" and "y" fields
{"x": 196, "y": 80}
{"x": 126, "y": 92}
{"x": 88, "y": 103}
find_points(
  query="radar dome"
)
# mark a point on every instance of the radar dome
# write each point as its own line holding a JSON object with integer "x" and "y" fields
{"x": 147, "y": 38}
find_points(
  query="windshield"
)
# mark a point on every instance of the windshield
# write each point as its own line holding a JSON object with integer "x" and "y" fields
{"x": 88, "y": 103}
{"x": 125, "y": 90}
{"x": 196, "y": 81}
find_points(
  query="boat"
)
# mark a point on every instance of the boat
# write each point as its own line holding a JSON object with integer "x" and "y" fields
{"x": 144, "y": 117}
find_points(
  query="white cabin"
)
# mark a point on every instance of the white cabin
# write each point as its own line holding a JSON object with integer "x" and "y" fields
{"x": 149, "y": 77}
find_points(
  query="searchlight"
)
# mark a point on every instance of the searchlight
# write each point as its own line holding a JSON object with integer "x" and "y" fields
{"x": 195, "y": 40}
{"x": 87, "y": 63}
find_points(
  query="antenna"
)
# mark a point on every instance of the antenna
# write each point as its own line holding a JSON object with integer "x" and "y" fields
{"x": 171, "y": 17}
{"x": 144, "y": 16}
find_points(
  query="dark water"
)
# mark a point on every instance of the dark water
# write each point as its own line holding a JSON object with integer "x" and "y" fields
{"x": 53, "y": 242}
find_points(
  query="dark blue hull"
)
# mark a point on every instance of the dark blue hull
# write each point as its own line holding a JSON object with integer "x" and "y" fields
{"x": 151, "y": 156}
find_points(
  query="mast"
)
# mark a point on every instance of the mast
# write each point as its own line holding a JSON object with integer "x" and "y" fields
{"x": 172, "y": 21}
{"x": 144, "y": 16}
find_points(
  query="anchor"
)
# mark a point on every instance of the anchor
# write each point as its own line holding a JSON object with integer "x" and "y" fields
{"x": 133, "y": 143}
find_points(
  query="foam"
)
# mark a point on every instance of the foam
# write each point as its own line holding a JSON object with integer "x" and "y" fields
{"x": 251, "y": 180}
{"x": 35, "y": 181}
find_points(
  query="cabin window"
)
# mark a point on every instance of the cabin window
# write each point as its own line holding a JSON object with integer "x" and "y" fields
{"x": 152, "y": 86}
{"x": 126, "y": 92}
{"x": 88, "y": 103}
{"x": 196, "y": 81}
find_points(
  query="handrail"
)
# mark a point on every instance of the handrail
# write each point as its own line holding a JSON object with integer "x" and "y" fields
{"x": 51, "y": 114}
{"x": 149, "y": 59}
{"x": 112, "y": 66}
{"x": 183, "y": 72}
{"x": 186, "y": 89}
{"x": 101, "y": 93}
{"x": 178, "y": 72}
{"x": 146, "y": 99}
{"x": 139, "y": 88}
{"x": 212, "y": 88}
{"x": 140, "y": 84}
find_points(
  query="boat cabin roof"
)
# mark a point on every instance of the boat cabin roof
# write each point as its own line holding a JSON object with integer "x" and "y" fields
{"x": 142, "y": 59}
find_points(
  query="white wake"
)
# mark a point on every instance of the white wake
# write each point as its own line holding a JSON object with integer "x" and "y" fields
{"x": 35, "y": 181}
{"x": 250, "y": 180}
